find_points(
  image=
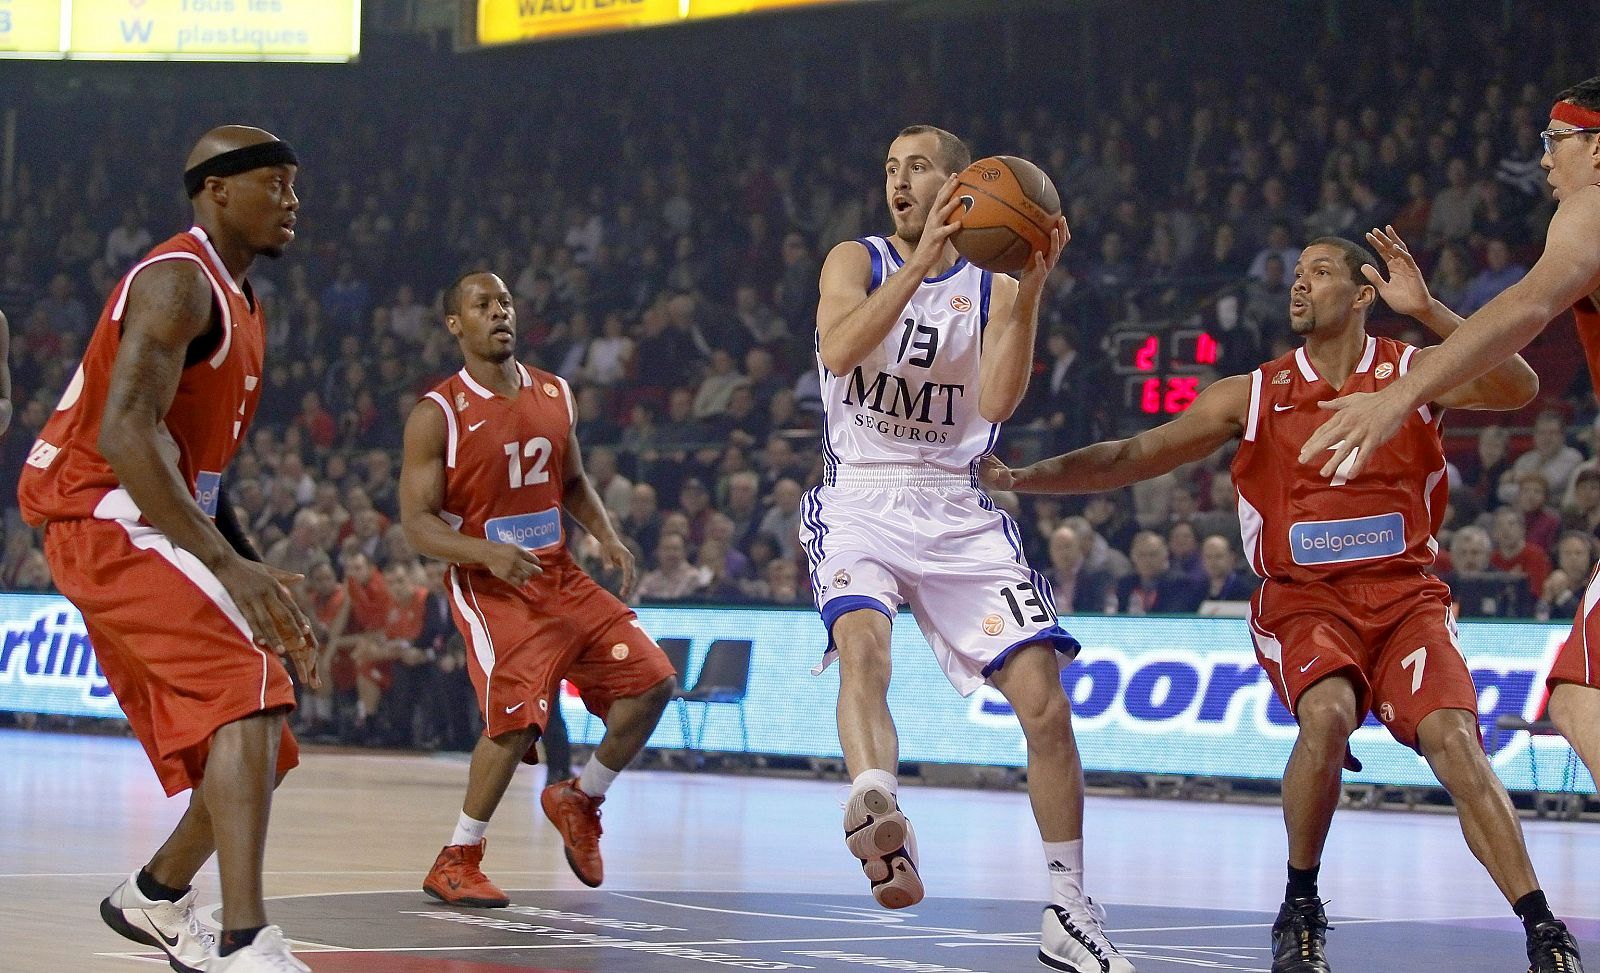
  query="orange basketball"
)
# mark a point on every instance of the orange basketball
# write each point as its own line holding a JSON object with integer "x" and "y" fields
{"x": 1011, "y": 206}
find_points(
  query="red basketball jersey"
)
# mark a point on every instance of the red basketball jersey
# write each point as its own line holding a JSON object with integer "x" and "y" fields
{"x": 1587, "y": 316}
{"x": 66, "y": 477}
{"x": 506, "y": 459}
{"x": 1300, "y": 526}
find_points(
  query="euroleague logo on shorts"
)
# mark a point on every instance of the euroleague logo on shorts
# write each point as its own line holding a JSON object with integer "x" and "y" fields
{"x": 1386, "y": 712}
{"x": 961, "y": 303}
{"x": 841, "y": 578}
{"x": 993, "y": 624}
{"x": 619, "y": 651}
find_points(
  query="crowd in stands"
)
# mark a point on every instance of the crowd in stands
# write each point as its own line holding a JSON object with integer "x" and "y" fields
{"x": 664, "y": 259}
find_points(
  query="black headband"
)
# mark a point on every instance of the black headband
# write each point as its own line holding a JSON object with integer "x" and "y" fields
{"x": 235, "y": 161}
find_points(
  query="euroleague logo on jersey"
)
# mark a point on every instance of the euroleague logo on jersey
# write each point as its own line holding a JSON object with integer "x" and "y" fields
{"x": 1383, "y": 371}
{"x": 551, "y": 390}
{"x": 961, "y": 303}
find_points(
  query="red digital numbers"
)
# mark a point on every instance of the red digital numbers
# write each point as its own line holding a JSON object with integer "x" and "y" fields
{"x": 1145, "y": 358}
{"x": 1168, "y": 396}
{"x": 1205, "y": 350}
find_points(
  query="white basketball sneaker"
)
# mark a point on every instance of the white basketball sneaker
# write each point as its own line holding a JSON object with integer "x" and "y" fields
{"x": 267, "y": 954}
{"x": 1074, "y": 940}
{"x": 880, "y": 836}
{"x": 171, "y": 927}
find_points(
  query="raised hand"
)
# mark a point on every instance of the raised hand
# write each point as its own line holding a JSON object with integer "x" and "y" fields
{"x": 943, "y": 222}
{"x": 1042, "y": 262}
{"x": 1405, "y": 291}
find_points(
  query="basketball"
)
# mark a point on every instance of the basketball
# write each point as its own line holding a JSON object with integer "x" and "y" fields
{"x": 1010, "y": 208}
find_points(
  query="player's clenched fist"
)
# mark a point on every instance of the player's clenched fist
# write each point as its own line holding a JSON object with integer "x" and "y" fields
{"x": 511, "y": 564}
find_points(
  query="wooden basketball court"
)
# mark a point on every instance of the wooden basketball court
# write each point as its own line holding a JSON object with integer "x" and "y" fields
{"x": 707, "y": 871}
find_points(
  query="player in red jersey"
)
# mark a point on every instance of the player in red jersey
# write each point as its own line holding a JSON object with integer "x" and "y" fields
{"x": 125, "y": 479}
{"x": 491, "y": 463}
{"x": 1566, "y": 275}
{"x": 1348, "y": 620}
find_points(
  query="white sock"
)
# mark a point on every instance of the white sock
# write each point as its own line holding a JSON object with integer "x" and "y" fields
{"x": 469, "y": 831}
{"x": 1065, "y": 861}
{"x": 596, "y": 778}
{"x": 880, "y": 778}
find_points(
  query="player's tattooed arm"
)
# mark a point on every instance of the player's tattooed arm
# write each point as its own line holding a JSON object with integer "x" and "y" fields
{"x": 170, "y": 305}
{"x": 232, "y": 530}
{"x": 584, "y": 504}
{"x": 422, "y": 503}
{"x": 1217, "y": 415}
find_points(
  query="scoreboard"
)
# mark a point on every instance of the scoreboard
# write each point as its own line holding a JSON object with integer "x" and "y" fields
{"x": 1162, "y": 370}
{"x": 509, "y": 21}
{"x": 182, "y": 30}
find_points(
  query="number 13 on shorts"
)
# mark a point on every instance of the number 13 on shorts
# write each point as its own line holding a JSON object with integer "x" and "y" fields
{"x": 1025, "y": 605}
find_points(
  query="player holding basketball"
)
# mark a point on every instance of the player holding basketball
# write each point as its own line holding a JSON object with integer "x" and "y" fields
{"x": 491, "y": 462}
{"x": 1348, "y": 620}
{"x": 922, "y": 356}
{"x": 126, "y": 478}
{"x": 1566, "y": 275}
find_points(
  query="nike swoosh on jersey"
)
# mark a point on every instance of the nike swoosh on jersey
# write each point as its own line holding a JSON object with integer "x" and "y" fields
{"x": 513, "y": 709}
{"x": 1308, "y": 665}
{"x": 475, "y": 425}
{"x": 1282, "y": 408}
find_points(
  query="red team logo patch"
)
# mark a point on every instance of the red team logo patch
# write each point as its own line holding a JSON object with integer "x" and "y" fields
{"x": 961, "y": 303}
{"x": 461, "y": 401}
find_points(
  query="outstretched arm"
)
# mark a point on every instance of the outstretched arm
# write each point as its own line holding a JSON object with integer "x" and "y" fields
{"x": 1217, "y": 415}
{"x": 1568, "y": 270}
{"x": 1511, "y": 384}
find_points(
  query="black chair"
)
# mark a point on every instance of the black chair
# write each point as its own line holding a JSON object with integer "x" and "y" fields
{"x": 1543, "y": 728}
{"x": 677, "y": 653}
{"x": 724, "y": 678}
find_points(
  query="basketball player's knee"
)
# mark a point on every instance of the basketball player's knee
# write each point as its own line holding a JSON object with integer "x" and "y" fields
{"x": 1449, "y": 737}
{"x": 1046, "y": 718}
{"x": 1327, "y": 718}
{"x": 657, "y": 696}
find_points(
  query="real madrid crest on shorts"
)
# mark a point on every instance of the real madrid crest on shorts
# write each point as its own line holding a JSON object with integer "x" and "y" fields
{"x": 841, "y": 578}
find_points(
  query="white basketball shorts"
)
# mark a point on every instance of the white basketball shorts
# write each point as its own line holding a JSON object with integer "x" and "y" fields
{"x": 941, "y": 547}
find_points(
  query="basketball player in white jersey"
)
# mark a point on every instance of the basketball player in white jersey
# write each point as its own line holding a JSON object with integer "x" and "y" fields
{"x": 922, "y": 356}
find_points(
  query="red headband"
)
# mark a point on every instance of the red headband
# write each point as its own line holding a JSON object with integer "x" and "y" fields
{"x": 1575, "y": 115}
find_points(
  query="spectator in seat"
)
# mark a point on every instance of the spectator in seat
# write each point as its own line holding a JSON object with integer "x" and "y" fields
{"x": 1154, "y": 587}
{"x": 1541, "y": 524}
{"x": 1223, "y": 579}
{"x": 1077, "y": 590}
{"x": 1550, "y": 456}
{"x": 1513, "y": 553}
{"x": 1564, "y": 587}
{"x": 673, "y": 578}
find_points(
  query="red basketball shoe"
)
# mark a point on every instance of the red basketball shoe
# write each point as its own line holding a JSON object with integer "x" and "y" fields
{"x": 577, "y": 816}
{"x": 456, "y": 879}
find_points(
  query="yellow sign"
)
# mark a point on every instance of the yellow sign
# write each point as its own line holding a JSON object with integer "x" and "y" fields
{"x": 30, "y": 28}
{"x": 216, "y": 30}
{"x": 506, "y": 21}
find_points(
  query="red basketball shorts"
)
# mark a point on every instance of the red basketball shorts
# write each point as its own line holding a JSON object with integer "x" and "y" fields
{"x": 1579, "y": 660}
{"x": 521, "y": 642}
{"x": 1394, "y": 640}
{"x": 173, "y": 645}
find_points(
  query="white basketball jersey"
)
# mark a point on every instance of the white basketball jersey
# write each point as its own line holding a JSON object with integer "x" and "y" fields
{"x": 914, "y": 398}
